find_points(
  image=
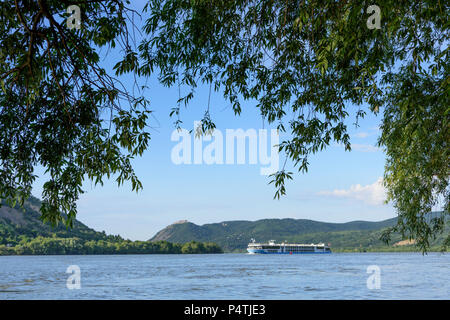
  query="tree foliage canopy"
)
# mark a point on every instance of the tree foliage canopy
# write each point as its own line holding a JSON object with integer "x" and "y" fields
{"x": 312, "y": 64}
{"x": 54, "y": 97}
{"x": 309, "y": 64}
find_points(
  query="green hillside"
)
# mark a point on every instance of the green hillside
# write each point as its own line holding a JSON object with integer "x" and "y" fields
{"x": 23, "y": 233}
{"x": 235, "y": 235}
{"x": 16, "y": 224}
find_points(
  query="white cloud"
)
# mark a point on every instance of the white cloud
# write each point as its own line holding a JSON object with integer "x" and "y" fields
{"x": 364, "y": 147}
{"x": 361, "y": 147}
{"x": 361, "y": 135}
{"x": 373, "y": 194}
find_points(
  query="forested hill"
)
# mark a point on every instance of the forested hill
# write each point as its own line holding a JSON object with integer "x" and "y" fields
{"x": 238, "y": 233}
{"x": 18, "y": 223}
{"x": 23, "y": 233}
{"x": 235, "y": 235}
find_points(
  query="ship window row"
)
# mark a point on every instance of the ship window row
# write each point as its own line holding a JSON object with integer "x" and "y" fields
{"x": 289, "y": 248}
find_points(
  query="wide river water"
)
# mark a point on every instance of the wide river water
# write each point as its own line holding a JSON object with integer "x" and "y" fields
{"x": 228, "y": 276}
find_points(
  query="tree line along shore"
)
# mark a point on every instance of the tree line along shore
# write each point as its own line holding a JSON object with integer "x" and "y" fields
{"x": 76, "y": 246}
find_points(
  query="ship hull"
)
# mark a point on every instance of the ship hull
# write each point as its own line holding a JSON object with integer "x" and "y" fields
{"x": 256, "y": 251}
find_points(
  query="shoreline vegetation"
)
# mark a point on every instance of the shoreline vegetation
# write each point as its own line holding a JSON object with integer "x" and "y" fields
{"x": 22, "y": 232}
{"x": 12, "y": 251}
{"x": 76, "y": 246}
{"x": 405, "y": 249}
{"x": 377, "y": 250}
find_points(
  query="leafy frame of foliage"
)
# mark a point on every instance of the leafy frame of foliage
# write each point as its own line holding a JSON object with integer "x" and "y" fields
{"x": 307, "y": 64}
{"x": 55, "y": 101}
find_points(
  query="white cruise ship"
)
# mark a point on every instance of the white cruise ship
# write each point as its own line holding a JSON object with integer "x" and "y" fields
{"x": 286, "y": 248}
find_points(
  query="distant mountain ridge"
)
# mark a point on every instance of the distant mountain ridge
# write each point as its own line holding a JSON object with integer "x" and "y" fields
{"x": 235, "y": 235}
{"x": 241, "y": 231}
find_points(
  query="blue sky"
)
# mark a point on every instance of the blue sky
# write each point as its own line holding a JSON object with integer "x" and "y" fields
{"x": 339, "y": 186}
